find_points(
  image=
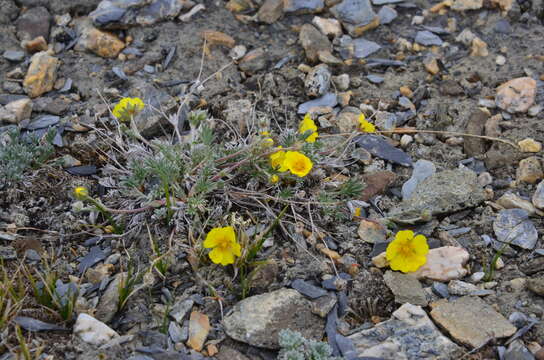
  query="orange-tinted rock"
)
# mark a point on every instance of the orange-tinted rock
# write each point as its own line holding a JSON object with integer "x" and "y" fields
{"x": 102, "y": 43}
{"x": 199, "y": 327}
{"x": 41, "y": 75}
{"x": 35, "y": 45}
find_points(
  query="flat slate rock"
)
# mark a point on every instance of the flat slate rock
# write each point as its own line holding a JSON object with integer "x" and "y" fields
{"x": 307, "y": 289}
{"x": 31, "y": 324}
{"x": 328, "y": 99}
{"x": 406, "y": 288}
{"x": 442, "y": 193}
{"x": 471, "y": 321}
{"x": 427, "y": 38}
{"x": 378, "y": 146}
{"x": 409, "y": 334}
{"x": 513, "y": 226}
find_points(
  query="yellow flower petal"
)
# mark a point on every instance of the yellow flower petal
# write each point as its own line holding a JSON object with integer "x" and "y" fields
{"x": 404, "y": 235}
{"x": 298, "y": 163}
{"x": 228, "y": 258}
{"x": 365, "y": 126}
{"x": 277, "y": 159}
{"x": 420, "y": 245}
{"x": 308, "y": 125}
{"x": 216, "y": 255}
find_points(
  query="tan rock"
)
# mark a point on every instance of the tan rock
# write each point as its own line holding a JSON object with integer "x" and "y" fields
{"x": 347, "y": 121}
{"x": 380, "y": 260}
{"x": 530, "y": 145}
{"x": 102, "y": 43}
{"x": 270, "y": 11}
{"x": 313, "y": 42}
{"x": 213, "y": 38}
{"x": 371, "y": 231}
{"x": 471, "y": 321}
{"x": 199, "y": 327}
{"x": 329, "y": 27}
{"x": 463, "y": 5}
{"x": 479, "y": 48}
{"x": 512, "y": 201}
{"x": 238, "y": 5}
{"x": 376, "y": 183}
{"x": 41, "y": 75}
{"x": 406, "y": 91}
{"x": 504, "y": 5}
{"x": 516, "y": 95}
{"x": 35, "y": 45}
{"x": 444, "y": 264}
{"x": 21, "y": 109}
{"x": 431, "y": 65}
{"x": 530, "y": 170}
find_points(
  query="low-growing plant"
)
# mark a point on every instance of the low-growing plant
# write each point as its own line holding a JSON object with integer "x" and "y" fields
{"x": 296, "y": 347}
{"x": 20, "y": 153}
{"x": 12, "y": 293}
{"x": 127, "y": 286}
{"x": 81, "y": 193}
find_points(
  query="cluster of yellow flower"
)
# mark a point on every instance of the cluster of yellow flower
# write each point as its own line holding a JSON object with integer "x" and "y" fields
{"x": 127, "y": 108}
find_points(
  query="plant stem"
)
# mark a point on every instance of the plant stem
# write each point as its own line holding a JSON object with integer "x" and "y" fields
{"x": 103, "y": 210}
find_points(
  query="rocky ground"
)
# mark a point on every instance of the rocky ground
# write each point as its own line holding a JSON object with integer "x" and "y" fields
{"x": 456, "y": 89}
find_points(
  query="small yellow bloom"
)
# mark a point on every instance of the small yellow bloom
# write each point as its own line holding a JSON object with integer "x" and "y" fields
{"x": 81, "y": 193}
{"x": 268, "y": 141}
{"x": 298, "y": 163}
{"x": 274, "y": 179}
{"x": 357, "y": 212}
{"x": 407, "y": 252}
{"x": 223, "y": 243}
{"x": 277, "y": 159}
{"x": 365, "y": 126}
{"x": 127, "y": 108}
{"x": 308, "y": 125}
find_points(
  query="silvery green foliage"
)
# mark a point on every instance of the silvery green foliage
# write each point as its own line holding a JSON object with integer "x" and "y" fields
{"x": 295, "y": 347}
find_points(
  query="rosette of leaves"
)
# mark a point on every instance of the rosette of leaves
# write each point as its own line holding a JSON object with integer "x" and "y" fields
{"x": 295, "y": 347}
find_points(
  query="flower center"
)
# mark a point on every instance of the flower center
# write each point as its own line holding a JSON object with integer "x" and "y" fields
{"x": 406, "y": 250}
{"x": 223, "y": 243}
{"x": 299, "y": 166}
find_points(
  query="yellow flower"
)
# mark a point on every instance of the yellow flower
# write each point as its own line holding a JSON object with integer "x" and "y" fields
{"x": 274, "y": 179}
{"x": 277, "y": 159}
{"x": 268, "y": 141}
{"x": 81, "y": 193}
{"x": 298, "y": 163}
{"x": 365, "y": 126}
{"x": 307, "y": 125}
{"x": 223, "y": 242}
{"x": 127, "y": 108}
{"x": 357, "y": 212}
{"x": 407, "y": 252}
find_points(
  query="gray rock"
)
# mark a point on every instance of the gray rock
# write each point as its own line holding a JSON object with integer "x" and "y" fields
{"x": 406, "y": 288}
{"x": 318, "y": 81}
{"x": 517, "y": 351}
{"x": 42, "y": 122}
{"x": 442, "y": 193}
{"x": 254, "y": 61}
{"x": 31, "y": 324}
{"x": 180, "y": 309}
{"x": 328, "y": 99}
{"x": 375, "y": 79}
{"x": 360, "y": 48}
{"x": 440, "y": 289}
{"x": 356, "y": 12}
{"x": 514, "y": 227}
{"x": 303, "y": 6}
{"x": 175, "y": 332}
{"x": 257, "y": 320}
{"x": 409, "y": 334}
{"x": 427, "y": 38}
{"x": 9, "y": 12}
{"x": 383, "y": 2}
{"x": 107, "y": 307}
{"x": 308, "y": 289}
{"x": 323, "y": 305}
{"x": 14, "y": 55}
{"x": 380, "y": 147}
{"x": 314, "y": 42}
{"x": 33, "y": 23}
{"x": 121, "y": 14}
{"x": 471, "y": 321}
{"x": 538, "y": 196}
{"x": 387, "y": 14}
{"x": 422, "y": 170}
{"x": 461, "y": 288}
{"x": 536, "y": 285}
